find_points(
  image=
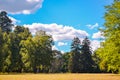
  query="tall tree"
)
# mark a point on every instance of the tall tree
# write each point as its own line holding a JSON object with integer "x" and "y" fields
{"x": 43, "y": 51}
{"x": 74, "y": 61}
{"x": 27, "y": 52}
{"x": 5, "y": 22}
{"x": 5, "y": 53}
{"x": 86, "y": 58}
{"x": 109, "y": 53}
{"x": 19, "y": 34}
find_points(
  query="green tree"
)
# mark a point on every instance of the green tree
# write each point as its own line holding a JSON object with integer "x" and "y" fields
{"x": 45, "y": 41}
{"x": 74, "y": 61}
{"x": 85, "y": 56}
{"x": 43, "y": 51}
{"x": 1, "y": 54}
{"x": 109, "y": 52}
{"x": 57, "y": 61}
{"x": 5, "y": 53}
{"x": 64, "y": 66}
{"x": 27, "y": 52}
{"x": 96, "y": 60}
{"x": 5, "y": 22}
{"x": 19, "y": 34}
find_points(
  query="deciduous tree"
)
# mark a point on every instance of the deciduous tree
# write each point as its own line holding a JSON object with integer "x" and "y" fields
{"x": 109, "y": 53}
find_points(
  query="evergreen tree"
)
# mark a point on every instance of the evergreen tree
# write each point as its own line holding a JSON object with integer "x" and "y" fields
{"x": 86, "y": 58}
{"x": 74, "y": 61}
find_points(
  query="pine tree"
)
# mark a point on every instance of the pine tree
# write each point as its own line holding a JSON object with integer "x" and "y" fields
{"x": 74, "y": 61}
{"x": 86, "y": 58}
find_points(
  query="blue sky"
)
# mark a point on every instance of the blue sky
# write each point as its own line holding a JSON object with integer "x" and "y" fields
{"x": 64, "y": 19}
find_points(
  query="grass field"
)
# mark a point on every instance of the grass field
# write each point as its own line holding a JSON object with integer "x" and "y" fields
{"x": 60, "y": 77}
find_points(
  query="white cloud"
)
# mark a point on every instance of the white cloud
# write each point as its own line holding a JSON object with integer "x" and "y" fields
{"x": 93, "y": 26}
{"x": 62, "y": 44}
{"x": 95, "y": 44}
{"x": 20, "y": 6}
{"x": 98, "y": 35}
{"x": 26, "y": 11}
{"x": 14, "y": 21}
{"x": 59, "y": 32}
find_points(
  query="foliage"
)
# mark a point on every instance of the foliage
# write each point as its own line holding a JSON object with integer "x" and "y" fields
{"x": 109, "y": 53}
{"x": 74, "y": 60}
{"x": 20, "y": 52}
{"x": 5, "y": 22}
{"x": 5, "y": 52}
{"x": 57, "y": 62}
{"x": 86, "y": 58}
{"x": 64, "y": 66}
{"x": 80, "y": 56}
{"x": 43, "y": 54}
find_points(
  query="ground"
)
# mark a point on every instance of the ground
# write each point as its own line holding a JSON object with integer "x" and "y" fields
{"x": 60, "y": 76}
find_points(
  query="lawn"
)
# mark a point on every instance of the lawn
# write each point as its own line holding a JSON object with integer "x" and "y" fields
{"x": 60, "y": 77}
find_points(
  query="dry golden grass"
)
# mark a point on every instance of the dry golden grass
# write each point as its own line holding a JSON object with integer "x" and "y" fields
{"x": 60, "y": 77}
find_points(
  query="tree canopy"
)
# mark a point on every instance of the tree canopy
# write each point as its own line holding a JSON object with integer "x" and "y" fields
{"x": 109, "y": 53}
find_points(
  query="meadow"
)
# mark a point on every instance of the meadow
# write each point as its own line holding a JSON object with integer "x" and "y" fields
{"x": 60, "y": 76}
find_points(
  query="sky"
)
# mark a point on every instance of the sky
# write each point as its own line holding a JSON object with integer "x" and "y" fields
{"x": 63, "y": 19}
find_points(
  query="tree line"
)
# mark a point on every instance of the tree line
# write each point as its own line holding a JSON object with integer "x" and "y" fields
{"x": 20, "y": 51}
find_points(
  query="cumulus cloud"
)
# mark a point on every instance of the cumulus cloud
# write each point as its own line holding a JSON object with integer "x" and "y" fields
{"x": 59, "y": 32}
{"x": 95, "y": 44}
{"x": 20, "y": 6}
{"x": 98, "y": 35}
{"x": 62, "y": 44}
{"x": 92, "y": 26}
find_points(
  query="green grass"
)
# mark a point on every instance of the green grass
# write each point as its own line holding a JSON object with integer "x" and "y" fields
{"x": 60, "y": 77}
